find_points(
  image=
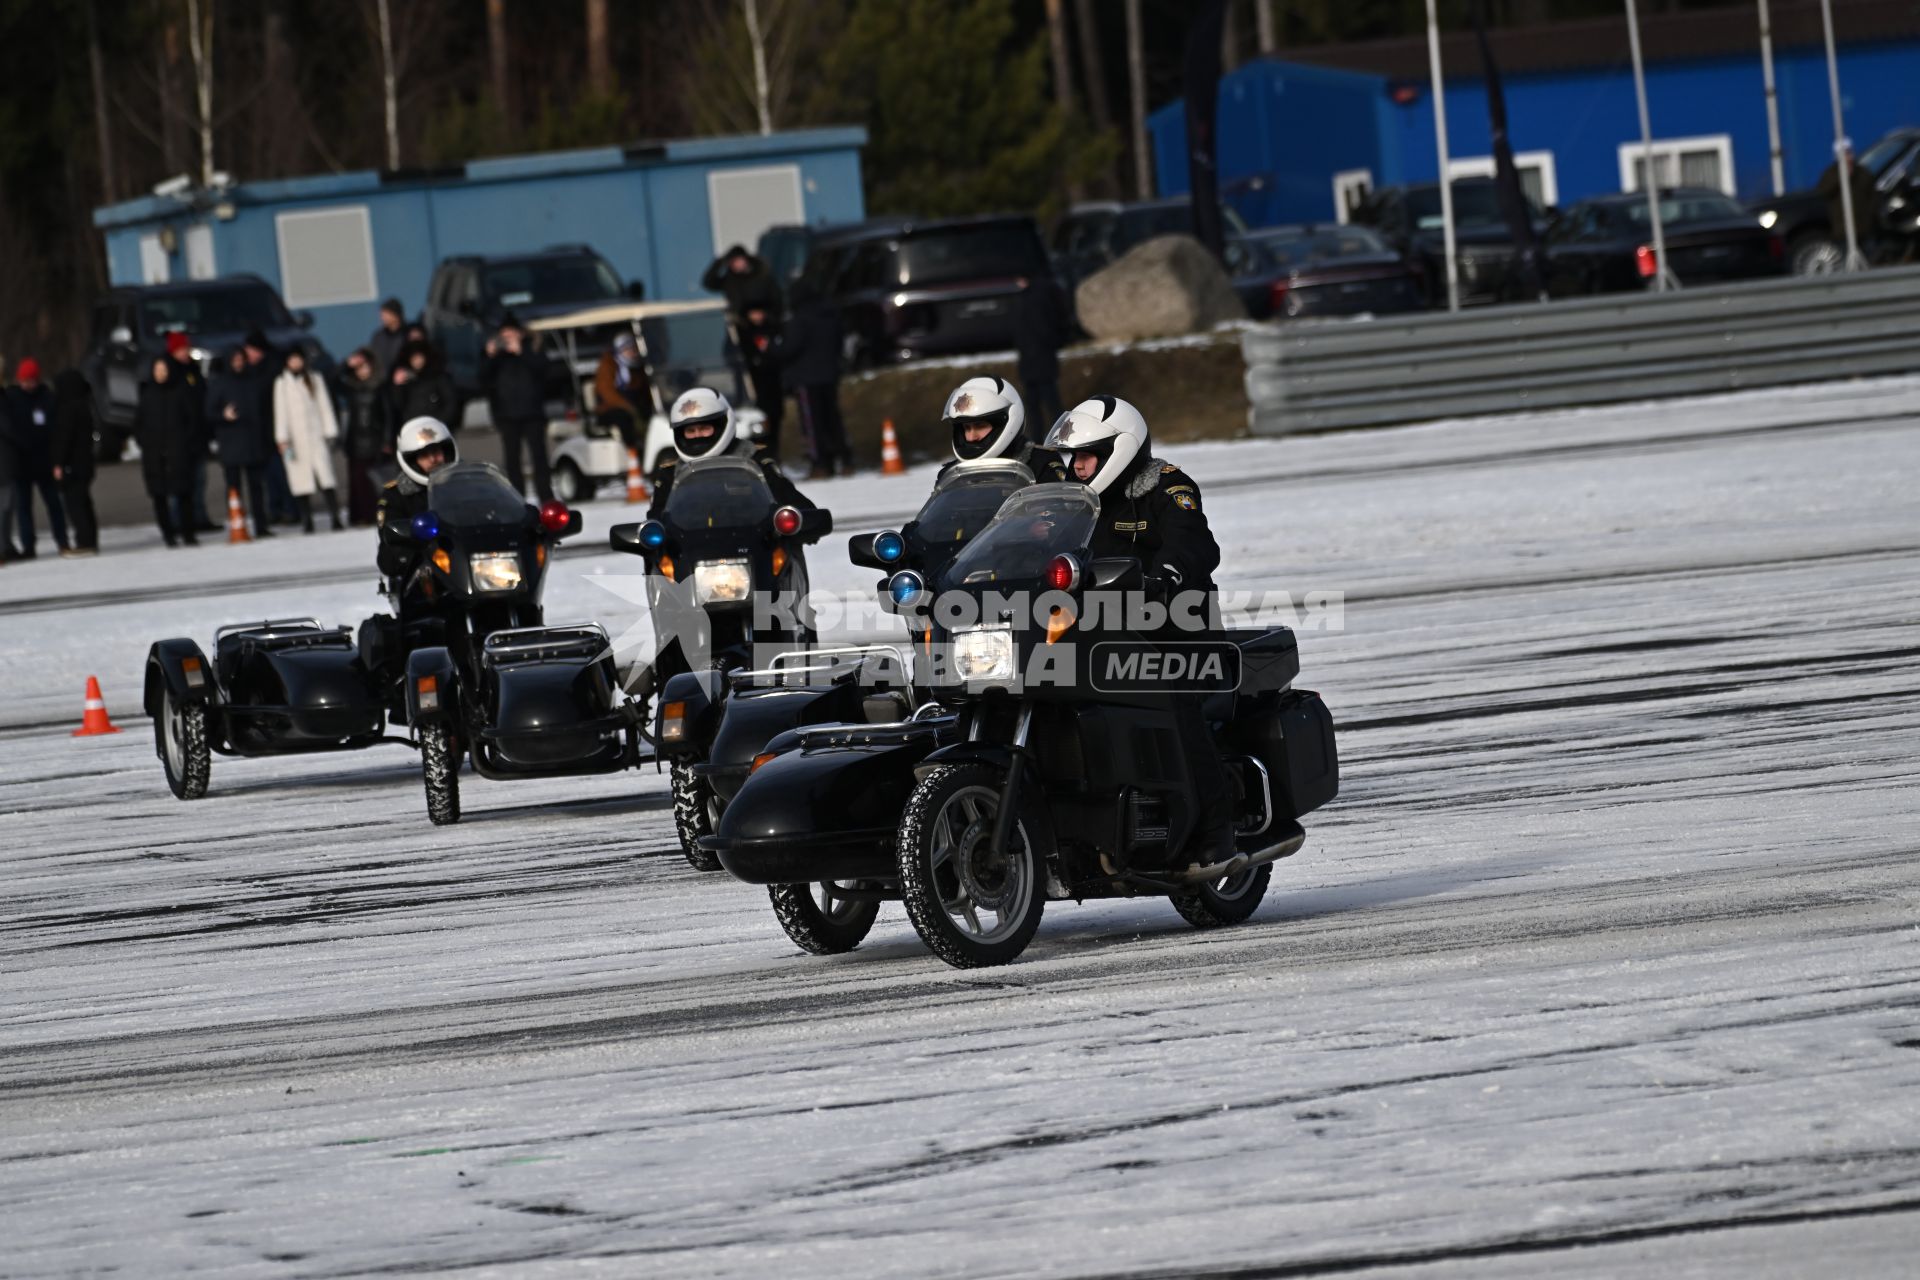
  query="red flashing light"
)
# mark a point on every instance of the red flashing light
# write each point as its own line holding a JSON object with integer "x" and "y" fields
{"x": 554, "y": 516}
{"x": 786, "y": 522}
{"x": 1063, "y": 573}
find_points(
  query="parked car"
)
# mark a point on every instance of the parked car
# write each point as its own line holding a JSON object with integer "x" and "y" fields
{"x": 1094, "y": 234}
{"x": 1323, "y": 270}
{"x": 1605, "y": 245}
{"x": 131, "y": 324}
{"x": 471, "y": 294}
{"x": 927, "y": 288}
{"x": 1409, "y": 219}
{"x": 1804, "y": 220}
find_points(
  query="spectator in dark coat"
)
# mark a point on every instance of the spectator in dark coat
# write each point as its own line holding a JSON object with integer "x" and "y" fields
{"x": 244, "y": 432}
{"x": 389, "y": 338}
{"x": 808, "y": 353}
{"x": 420, "y": 387}
{"x": 169, "y": 435}
{"x": 363, "y": 430}
{"x": 9, "y": 474}
{"x": 758, "y": 334}
{"x": 744, "y": 280}
{"x": 516, "y": 379}
{"x": 1040, "y": 329}
{"x": 73, "y": 446}
{"x": 30, "y": 406}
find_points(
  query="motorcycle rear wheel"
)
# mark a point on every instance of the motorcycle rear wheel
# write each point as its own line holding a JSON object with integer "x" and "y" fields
{"x": 693, "y": 806}
{"x": 180, "y": 733}
{"x": 820, "y": 922}
{"x": 950, "y": 878}
{"x": 440, "y": 770}
{"x": 1229, "y": 900}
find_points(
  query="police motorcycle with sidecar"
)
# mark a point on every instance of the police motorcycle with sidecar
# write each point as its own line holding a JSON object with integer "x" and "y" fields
{"x": 501, "y": 688}
{"x": 1051, "y": 779}
{"x": 727, "y": 573}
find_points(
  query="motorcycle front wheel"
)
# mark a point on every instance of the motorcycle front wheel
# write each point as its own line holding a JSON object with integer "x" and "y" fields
{"x": 693, "y": 814}
{"x": 972, "y": 908}
{"x": 820, "y": 918}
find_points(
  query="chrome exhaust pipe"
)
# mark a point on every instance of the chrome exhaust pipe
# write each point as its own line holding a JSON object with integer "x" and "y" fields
{"x": 1242, "y": 861}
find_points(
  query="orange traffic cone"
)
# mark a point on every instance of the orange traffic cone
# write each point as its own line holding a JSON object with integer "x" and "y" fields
{"x": 236, "y": 519}
{"x": 891, "y": 463}
{"x": 94, "y": 719}
{"x": 636, "y": 484}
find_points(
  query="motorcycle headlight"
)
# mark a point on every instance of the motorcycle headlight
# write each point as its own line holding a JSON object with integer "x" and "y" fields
{"x": 495, "y": 571}
{"x": 984, "y": 655}
{"x": 1769, "y": 218}
{"x": 722, "y": 581}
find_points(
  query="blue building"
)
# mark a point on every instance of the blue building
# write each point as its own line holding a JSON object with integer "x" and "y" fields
{"x": 337, "y": 245}
{"x": 1299, "y": 137}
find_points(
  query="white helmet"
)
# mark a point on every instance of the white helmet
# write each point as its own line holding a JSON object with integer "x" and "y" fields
{"x": 419, "y": 436}
{"x": 1107, "y": 427}
{"x": 990, "y": 400}
{"x": 701, "y": 406}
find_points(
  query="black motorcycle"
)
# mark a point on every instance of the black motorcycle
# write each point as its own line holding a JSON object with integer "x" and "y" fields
{"x": 518, "y": 698}
{"x": 717, "y": 724}
{"x": 1061, "y": 774}
{"x": 723, "y": 546}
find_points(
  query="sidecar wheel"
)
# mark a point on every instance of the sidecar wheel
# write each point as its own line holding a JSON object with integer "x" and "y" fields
{"x": 694, "y": 806}
{"x": 973, "y": 910}
{"x": 819, "y": 921}
{"x": 1229, "y": 900}
{"x": 180, "y": 734}
{"x": 440, "y": 767}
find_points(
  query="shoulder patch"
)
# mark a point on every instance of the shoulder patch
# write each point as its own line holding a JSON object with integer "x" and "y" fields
{"x": 1186, "y": 502}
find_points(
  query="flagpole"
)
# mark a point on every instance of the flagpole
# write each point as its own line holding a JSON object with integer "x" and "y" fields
{"x": 1663, "y": 278}
{"x": 1773, "y": 102}
{"x": 1440, "y": 142}
{"x": 1842, "y": 146}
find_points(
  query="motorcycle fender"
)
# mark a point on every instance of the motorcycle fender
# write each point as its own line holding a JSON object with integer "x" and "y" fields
{"x": 702, "y": 695}
{"x": 987, "y": 753}
{"x": 180, "y": 668}
{"x": 432, "y": 689}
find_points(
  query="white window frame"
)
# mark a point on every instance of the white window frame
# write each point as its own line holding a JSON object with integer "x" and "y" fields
{"x": 1483, "y": 167}
{"x": 155, "y": 262}
{"x": 1345, "y": 182}
{"x": 1720, "y": 143}
{"x": 197, "y": 246}
{"x": 791, "y": 171}
{"x": 280, "y": 223}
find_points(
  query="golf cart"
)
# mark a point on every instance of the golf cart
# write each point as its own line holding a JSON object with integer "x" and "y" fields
{"x": 682, "y": 345}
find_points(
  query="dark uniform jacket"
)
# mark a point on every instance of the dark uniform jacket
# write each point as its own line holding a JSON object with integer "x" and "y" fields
{"x": 1154, "y": 514}
{"x": 167, "y": 424}
{"x": 400, "y": 501}
{"x": 73, "y": 427}
{"x": 783, "y": 489}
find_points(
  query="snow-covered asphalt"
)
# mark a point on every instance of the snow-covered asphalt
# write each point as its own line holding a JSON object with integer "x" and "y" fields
{"x": 1605, "y": 962}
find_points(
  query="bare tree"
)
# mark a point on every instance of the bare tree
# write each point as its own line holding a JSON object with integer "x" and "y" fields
{"x": 200, "y": 45}
{"x": 389, "y": 83}
{"x": 1093, "y": 65}
{"x": 1137, "y": 103}
{"x": 1263, "y": 23}
{"x": 599, "y": 50}
{"x": 102, "y": 121}
{"x": 1062, "y": 74}
{"x": 758, "y": 42}
{"x": 497, "y": 57}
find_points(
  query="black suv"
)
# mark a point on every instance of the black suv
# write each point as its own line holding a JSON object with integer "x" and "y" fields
{"x": 470, "y": 295}
{"x": 1409, "y": 219}
{"x": 131, "y": 324}
{"x": 927, "y": 288}
{"x": 1803, "y": 220}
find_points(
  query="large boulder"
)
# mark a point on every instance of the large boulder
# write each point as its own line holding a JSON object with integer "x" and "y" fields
{"x": 1169, "y": 285}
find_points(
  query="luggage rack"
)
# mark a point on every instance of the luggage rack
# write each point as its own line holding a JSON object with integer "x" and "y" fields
{"x": 283, "y": 633}
{"x": 523, "y": 644}
{"x": 795, "y": 662}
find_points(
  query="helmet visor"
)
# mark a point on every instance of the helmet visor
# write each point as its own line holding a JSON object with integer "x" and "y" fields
{"x": 986, "y": 428}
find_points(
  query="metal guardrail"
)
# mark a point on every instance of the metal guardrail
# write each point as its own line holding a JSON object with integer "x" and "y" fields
{"x": 1320, "y": 375}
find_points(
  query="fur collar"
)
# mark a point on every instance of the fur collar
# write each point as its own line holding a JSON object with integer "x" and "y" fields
{"x": 1145, "y": 478}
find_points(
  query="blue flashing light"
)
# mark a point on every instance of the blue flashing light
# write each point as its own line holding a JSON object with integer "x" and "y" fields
{"x": 653, "y": 535}
{"x": 426, "y": 526}
{"x": 889, "y": 546}
{"x": 905, "y": 587}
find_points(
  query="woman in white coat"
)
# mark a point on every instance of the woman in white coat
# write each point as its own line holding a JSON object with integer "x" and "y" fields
{"x": 305, "y": 429}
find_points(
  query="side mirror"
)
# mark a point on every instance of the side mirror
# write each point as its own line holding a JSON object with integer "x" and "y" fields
{"x": 1116, "y": 573}
{"x": 573, "y": 523}
{"x": 121, "y": 336}
{"x": 860, "y": 551}
{"x": 625, "y": 537}
{"x": 637, "y": 290}
{"x": 817, "y": 523}
{"x": 304, "y": 319}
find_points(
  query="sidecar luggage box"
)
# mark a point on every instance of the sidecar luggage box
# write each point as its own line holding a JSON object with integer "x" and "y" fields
{"x": 550, "y": 701}
{"x": 1269, "y": 659}
{"x": 295, "y": 685}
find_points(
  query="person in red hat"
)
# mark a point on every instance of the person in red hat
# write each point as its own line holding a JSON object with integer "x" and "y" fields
{"x": 31, "y": 422}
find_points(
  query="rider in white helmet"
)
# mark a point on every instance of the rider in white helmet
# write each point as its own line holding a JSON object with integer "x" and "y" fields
{"x": 1150, "y": 510}
{"x": 703, "y": 427}
{"x": 423, "y": 446}
{"x": 988, "y": 420}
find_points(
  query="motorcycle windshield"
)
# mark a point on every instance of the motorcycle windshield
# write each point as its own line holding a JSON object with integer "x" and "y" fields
{"x": 1032, "y": 527}
{"x": 966, "y": 500}
{"x": 470, "y": 495}
{"x": 718, "y": 493}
